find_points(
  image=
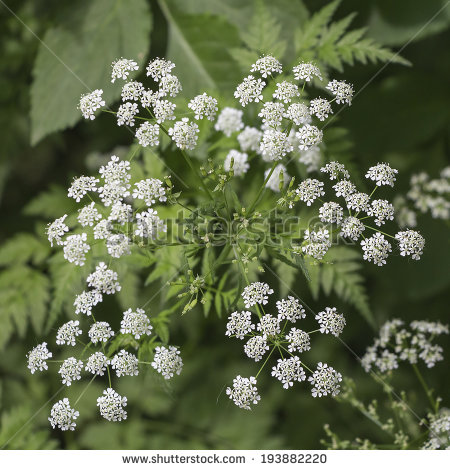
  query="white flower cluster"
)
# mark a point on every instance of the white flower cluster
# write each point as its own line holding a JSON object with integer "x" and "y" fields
{"x": 62, "y": 416}
{"x": 431, "y": 195}
{"x": 111, "y": 405}
{"x": 439, "y": 435}
{"x": 270, "y": 334}
{"x": 137, "y": 323}
{"x": 167, "y": 361}
{"x": 397, "y": 342}
{"x": 68, "y": 332}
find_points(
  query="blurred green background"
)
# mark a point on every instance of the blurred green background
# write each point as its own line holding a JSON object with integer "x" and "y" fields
{"x": 401, "y": 116}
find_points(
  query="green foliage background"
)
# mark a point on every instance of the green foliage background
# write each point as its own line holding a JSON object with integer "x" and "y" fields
{"x": 401, "y": 116}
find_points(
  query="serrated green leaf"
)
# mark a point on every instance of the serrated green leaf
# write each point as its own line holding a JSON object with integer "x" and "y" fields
{"x": 51, "y": 204}
{"x": 22, "y": 248}
{"x": 196, "y": 45}
{"x": 75, "y": 57}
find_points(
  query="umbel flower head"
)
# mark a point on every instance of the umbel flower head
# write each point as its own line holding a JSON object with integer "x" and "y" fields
{"x": 229, "y": 121}
{"x": 112, "y": 405}
{"x": 121, "y": 69}
{"x": 256, "y": 293}
{"x": 70, "y": 370}
{"x": 90, "y": 102}
{"x": 382, "y": 174}
{"x": 56, "y": 230}
{"x": 411, "y": 243}
{"x": 298, "y": 340}
{"x": 37, "y": 358}
{"x": 167, "y": 361}
{"x": 103, "y": 279}
{"x": 204, "y": 106}
{"x": 68, "y": 332}
{"x": 376, "y": 249}
{"x": 137, "y": 323}
{"x": 250, "y": 90}
{"x": 240, "y": 165}
{"x": 290, "y": 309}
{"x": 125, "y": 363}
{"x": 100, "y": 332}
{"x": 288, "y": 371}
{"x": 256, "y": 347}
{"x": 239, "y": 324}
{"x": 62, "y": 416}
{"x": 244, "y": 392}
{"x": 97, "y": 363}
{"x": 325, "y": 381}
{"x": 184, "y": 134}
{"x": 330, "y": 321}
{"x": 267, "y": 65}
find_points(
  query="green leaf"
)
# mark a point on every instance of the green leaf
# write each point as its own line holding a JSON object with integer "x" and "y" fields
{"x": 196, "y": 45}
{"x": 51, "y": 204}
{"x": 24, "y": 295}
{"x": 75, "y": 57}
{"x": 22, "y": 248}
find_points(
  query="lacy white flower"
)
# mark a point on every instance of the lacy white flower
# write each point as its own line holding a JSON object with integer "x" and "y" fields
{"x": 318, "y": 243}
{"x": 75, "y": 249}
{"x": 62, "y": 416}
{"x": 274, "y": 181}
{"x": 88, "y": 215}
{"x": 249, "y": 139}
{"x": 159, "y": 68}
{"x": 97, "y": 363}
{"x": 325, "y": 381}
{"x": 358, "y": 201}
{"x": 103, "y": 279}
{"x": 439, "y": 431}
{"x": 352, "y": 228}
{"x": 116, "y": 171}
{"x": 239, "y": 324}
{"x": 167, "y": 361}
{"x": 342, "y": 91}
{"x": 90, "y": 102}
{"x": 70, "y": 371}
{"x": 267, "y": 65}
{"x": 184, "y": 134}
{"x": 150, "y": 190}
{"x": 335, "y": 170}
{"x": 229, "y": 121}
{"x": 331, "y": 212}
{"x": 148, "y": 134}
{"x": 382, "y": 210}
{"x": 249, "y": 90}
{"x": 149, "y": 98}
{"x": 118, "y": 245}
{"x": 256, "y": 347}
{"x": 132, "y": 91}
{"x": 285, "y": 91}
{"x": 169, "y": 85}
{"x": 240, "y": 165}
{"x": 321, "y": 108}
{"x": 309, "y": 190}
{"x": 120, "y": 213}
{"x": 121, "y": 69}
{"x": 125, "y": 363}
{"x": 256, "y": 293}
{"x": 382, "y": 174}
{"x": 86, "y": 300}
{"x": 100, "y": 332}
{"x": 68, "y": 332}
{"x": 37, "y": 358}
{"x": 80, "y": 186}
{"x": 126, "y": 114}
{"x": 288, "y": 371}
{"x": 149, "y": 225}
{"x": 56, "y": 230}
{"x": 137, "y": 323}
{"x": 306, "y": 71}
{"x": 164, "y": 111}
{"x": 434, "y": 328}
{"x": 290, "y": 309}
{"x": 308, "y": 136}
{"x": 312, "y": 158}
{"x": 299, "y": 340}
{"x": 102, "y": 230}
{"x": 269, "y": 325}
{"x": 272, "y": 113}
{"x": 411, "y": 243}
{"x": 111, "y": 405}
{"x": 244, "y": 392}
{"x": 376, "y": 249}
{"x": 204, "y": 106}
{"x": 298, "y": 113}
{"x": 344, "y": 188}
{"x": 274, "y": 145}
{"x": 330, "y": 321}
{"x": 387, "y": 361}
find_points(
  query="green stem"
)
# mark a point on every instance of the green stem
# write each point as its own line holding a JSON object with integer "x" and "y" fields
{"x": 376, "y": 230}
{"x": 261, "y": 189}
{"x": 265, "y": 362}
{"x": 434, "y": 403}
{"x": 83, "y": 392}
